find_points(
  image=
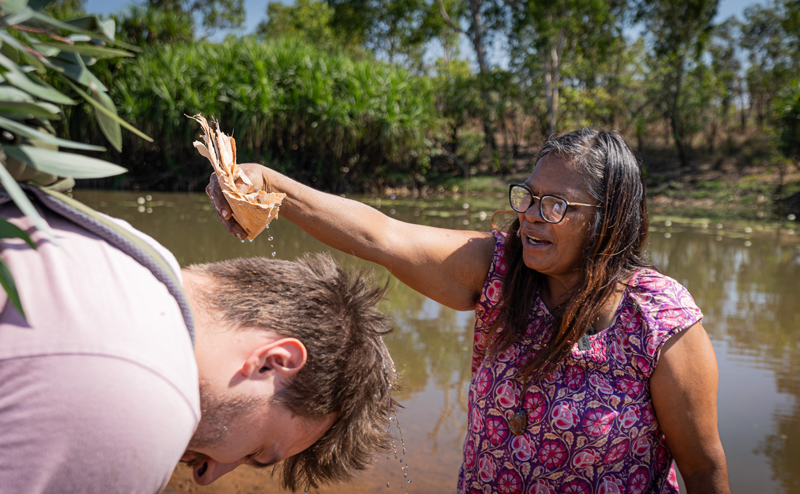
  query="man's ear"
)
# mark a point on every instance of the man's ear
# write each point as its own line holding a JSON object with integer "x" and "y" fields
{"x": 285, "y": 357}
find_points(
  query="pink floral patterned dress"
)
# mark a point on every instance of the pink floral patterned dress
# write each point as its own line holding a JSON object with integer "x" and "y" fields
{"x": 591, "y": 425}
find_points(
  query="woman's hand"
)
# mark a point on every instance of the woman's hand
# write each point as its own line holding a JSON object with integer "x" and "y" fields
{"x": 684, "y": 391}
{"x": 255, "y": 173}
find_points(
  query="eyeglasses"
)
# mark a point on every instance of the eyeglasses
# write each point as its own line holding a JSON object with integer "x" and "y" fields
{"x": 551, "y": 208}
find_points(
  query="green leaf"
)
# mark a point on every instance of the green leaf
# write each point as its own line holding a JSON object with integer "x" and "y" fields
{"x": 24, "y": 204}
{"x": 39, "y": 4}
{"x": 29, "y": 110}
{"x": 113, "y": 115}
{"x": 39, "y": 61}
{"x": 9, "y": 93}
{"x": 73, "y": 67}
{"x": 106, "y": 27}
{"x": 64, "y": 164}
{"x": 7, "y": 281}
{"x": 108, "y": 125}
{"x": 13, "y": 6}
{"x": 31, "y": 133}
{"x": 94, "y": 51}
{"x": 16, "y": 77}
{"x": 10, "y": 230}
{"x": 18, "y": 18}
{"x": 44, "y": 20}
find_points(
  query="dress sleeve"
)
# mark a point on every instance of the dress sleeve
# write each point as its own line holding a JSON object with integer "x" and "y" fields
{"x": 486, "y": 308}
{"x": 665, "y": 309}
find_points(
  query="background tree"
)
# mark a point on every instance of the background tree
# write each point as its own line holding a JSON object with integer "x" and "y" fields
{"x": 771, "y": 60}
{"x": 309, "y": 20}
{"x": 66, "y": 9}
{"x": 478, "y": 31}
{"x": 396, "y": 29}
{"x": 145, "y": 25}
{"x": 542, "y": 33}
{"x": 213, "y": 14}
{"x": 679, "y": 30}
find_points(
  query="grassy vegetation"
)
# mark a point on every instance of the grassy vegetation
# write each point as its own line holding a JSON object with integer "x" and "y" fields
{"x": 331, "y": 120}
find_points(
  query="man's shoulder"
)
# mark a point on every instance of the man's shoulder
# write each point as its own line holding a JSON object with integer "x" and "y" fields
{"x": 85, "y": 296}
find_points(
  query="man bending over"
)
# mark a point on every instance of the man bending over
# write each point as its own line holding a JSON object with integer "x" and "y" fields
{"x": 102, "y": 391}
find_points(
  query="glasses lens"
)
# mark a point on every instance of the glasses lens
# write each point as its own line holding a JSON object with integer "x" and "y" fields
{"x": 553, "y": 208}
{"x": 520, "y": 198}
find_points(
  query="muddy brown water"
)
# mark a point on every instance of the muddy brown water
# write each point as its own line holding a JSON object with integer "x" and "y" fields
{"x": 745, "y": 278}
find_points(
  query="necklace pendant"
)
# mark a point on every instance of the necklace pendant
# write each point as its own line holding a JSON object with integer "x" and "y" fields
{"x": 584, "y": 343}
{"x": 518, "y": 423}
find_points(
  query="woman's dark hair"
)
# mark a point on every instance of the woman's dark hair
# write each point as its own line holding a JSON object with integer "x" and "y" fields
{"x": 613, "y": 251}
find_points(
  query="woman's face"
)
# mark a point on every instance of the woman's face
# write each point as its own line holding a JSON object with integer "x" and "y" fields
{"x": 556, "y": 249}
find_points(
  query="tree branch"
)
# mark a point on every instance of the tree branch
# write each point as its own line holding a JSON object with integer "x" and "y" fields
{"x": 447, "y": 19}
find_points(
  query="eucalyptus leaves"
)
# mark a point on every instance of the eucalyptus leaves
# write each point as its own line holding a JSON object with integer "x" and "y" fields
{"x": 33, "y": 47}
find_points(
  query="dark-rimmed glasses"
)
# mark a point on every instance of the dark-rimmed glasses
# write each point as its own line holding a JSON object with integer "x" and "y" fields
{"x": 552, "y": 209}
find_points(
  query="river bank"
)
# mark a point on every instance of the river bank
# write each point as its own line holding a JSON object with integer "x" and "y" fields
{"x": 711, "y": 190}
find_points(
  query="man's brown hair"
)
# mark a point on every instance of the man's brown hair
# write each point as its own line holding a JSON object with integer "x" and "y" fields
{"x": 349, "y": 372}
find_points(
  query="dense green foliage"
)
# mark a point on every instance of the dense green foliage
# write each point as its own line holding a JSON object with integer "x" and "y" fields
{"x": 332, "y": 120}
{"x": 689, "y": 82}
{"x": 35, "y": 48}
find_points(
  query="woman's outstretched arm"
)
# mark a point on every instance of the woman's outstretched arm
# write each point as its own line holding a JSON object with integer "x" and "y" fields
{"x": 684, "y": 390}
{"x": 448, "y": 266}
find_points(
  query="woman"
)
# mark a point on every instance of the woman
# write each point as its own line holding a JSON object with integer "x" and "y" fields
{"x": 591, "y": 371}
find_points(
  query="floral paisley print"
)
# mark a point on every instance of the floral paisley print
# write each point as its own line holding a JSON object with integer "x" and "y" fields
{"x": 591, "y": 424}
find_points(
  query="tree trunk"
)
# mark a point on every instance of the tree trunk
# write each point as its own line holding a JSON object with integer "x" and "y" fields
{"x": 478, "y": 30}
{"x": 675, "y": 117}
{"x": 476, "y": 37}
{"x": 552, "y": 80}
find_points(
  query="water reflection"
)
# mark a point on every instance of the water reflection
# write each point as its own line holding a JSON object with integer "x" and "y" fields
{"x": 745, "y": 280}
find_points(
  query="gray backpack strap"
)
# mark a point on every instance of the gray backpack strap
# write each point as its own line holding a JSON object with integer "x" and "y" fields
{"x": 119, "y": 237}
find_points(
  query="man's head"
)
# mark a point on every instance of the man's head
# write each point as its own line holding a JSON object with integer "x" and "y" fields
{"x": 292, "y": 368}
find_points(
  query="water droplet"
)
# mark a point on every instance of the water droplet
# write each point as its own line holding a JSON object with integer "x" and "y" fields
{"x": 401, "y": 460}
{"x": 140, "y": 200}
{"x": 250, "y": 240}
{"x": 269, "y": 238}
{"x": 668, "y": 223}
{"x": 148, "y": 197}
{"x": 273, "y": 254}
{"x": 387, "y": 484}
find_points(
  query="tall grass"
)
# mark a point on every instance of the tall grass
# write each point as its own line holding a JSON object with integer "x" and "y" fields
{"x": 325, "y": 118}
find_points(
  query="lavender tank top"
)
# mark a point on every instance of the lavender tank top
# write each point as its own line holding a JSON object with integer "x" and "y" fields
{"x": 591, "y": 425}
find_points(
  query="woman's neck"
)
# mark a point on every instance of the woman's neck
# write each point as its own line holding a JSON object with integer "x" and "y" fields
{"x": 558, "y": 292}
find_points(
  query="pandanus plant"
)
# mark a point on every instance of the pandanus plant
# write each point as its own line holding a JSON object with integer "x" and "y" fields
{"x": 35, "y": 48}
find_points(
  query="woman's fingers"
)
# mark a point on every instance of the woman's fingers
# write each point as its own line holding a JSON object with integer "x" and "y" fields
{"x": 222, "y": 208}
